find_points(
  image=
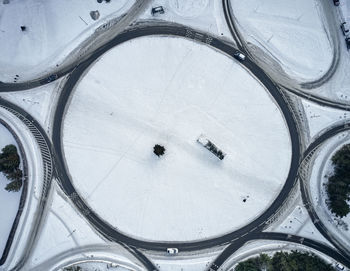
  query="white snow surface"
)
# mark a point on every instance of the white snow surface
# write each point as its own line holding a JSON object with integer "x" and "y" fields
{"x": 100, "y": 266}
{"x": 54, "y": 29}
{"x": 321, "y": 117}
{"x": 9, "y": 201}
{"x": 138, "y": 95}
{"x": 291, "y": 31}
{"x": 299, "y": 223}
{"x": 64, "y": 230}
{"x": 204, "y": 15}
{"x": 192, "y": 263}
{"x": 39, "y": 102}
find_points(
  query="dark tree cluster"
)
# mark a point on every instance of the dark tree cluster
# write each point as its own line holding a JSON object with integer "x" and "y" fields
{"x": 9, "y": 166}
{"x": 338, "y": 186}
{"x": 73, "y": 268}
{"x": 285, "y": 261}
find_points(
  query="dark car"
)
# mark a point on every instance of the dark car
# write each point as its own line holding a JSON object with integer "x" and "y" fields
{"x": 344, "y": 28}
{"x": 52, "y": 77}
{"x": 347, "y": 41}
{"x": 159, "y": 10}
{"x": 336, "y": 2}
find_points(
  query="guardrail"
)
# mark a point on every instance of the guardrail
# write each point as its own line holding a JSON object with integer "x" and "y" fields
{"x": 44, "y": 148}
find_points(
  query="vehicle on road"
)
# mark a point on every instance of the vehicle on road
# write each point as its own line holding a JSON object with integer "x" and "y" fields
{"x": 339, "y": 267}
{"x": 52, "y": 77}
{"x": 158, "y": 9}
{"x": 172, "y": 250}
{"x": 336, "y": 2}
{"x": 344, "y": 28}
{"x": 239, "y": 56}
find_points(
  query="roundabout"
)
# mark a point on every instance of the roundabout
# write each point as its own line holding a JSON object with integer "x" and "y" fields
{"x": 170, "y": 142}
{"x": 110, "y": 128}
{"x": 136, "y": 234}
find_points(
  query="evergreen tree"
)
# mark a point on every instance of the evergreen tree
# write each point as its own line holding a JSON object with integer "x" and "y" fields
{"x": 14, "y": 186}
{"x": 9, "y": 165}
{"x": 285, "y": 261}
{"x": 338, "y": 186}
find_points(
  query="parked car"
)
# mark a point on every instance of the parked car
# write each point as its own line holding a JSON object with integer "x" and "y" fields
{"x": 158, "y": 9}
{"x": 239, "y": 56}
{"x": 172, "y": 250}
{"x": 52, "y": 77}
{"x": 336, "y": 2}
{"x": 339, "y": 267}
{"x": 347, "y": 41}
{"x": 344, "y": 28}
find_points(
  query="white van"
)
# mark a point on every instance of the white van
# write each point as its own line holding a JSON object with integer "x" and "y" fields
{"x": 171, "y": 250}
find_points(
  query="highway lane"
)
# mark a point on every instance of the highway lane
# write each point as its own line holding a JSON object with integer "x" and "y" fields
{"x": 109, "y": 231}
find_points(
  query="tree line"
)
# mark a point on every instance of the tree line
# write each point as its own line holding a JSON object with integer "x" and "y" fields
{"x": 285, "y": 261}
{"x": 9, "y": 166}
{"x": 338, "y": 186}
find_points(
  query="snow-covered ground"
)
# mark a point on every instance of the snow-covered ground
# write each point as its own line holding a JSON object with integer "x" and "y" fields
{"x": 138, "y": 95}
{"x": 321, "y": 169}
{"x": 292, "y": 33}
{"x": 298, "y": 222}
{"x": 9, "y": 201}
{"x": 204, "y": 15}
{"x": 195, "y": 262}
{"x": 40, "y": 102}
{"x": 54, "y": 29}
{"x": 321, "y": 117}
{"x": 100, "y": 266}
{"x": 67, "y": 238}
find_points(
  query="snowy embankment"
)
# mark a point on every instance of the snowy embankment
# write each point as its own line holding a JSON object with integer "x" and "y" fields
{"x": 138, "y": 95}
{"x": 321, "y": 117}
{"x": 53, "y": 30}
{"x": 321, "y": 170}
{"x": 204, "y": 15}
{"x": 9, "y": 201}
{"x": 290, "y": 34}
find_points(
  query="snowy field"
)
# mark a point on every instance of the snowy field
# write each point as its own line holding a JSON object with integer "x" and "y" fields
{"x": 138, "y": 95}
{"x": 321, "y": 169}
{"x": 291, "y": 32}
{"x": 32, "y": 52}
{"x": 9, "y": 201}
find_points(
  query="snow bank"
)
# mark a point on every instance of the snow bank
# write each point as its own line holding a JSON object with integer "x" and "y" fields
{"x": 138, "y": 95}
{"x": 204, "y": 15}
{"x": 320, "y": 117}
{"x": 293, "y": 33}
{"x": 53, "y": 29}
